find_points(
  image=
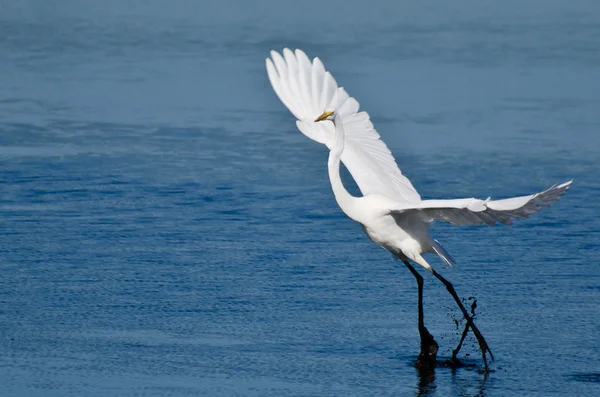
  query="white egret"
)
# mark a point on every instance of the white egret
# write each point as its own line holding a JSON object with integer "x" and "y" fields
{"x": 391, "y": 212}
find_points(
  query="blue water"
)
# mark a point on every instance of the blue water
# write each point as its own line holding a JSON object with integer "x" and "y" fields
{"x": 166, "y": 230}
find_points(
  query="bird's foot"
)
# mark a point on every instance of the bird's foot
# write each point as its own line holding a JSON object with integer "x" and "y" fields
{"x": 428, "y": 356}
{"x": 483, "y": 346}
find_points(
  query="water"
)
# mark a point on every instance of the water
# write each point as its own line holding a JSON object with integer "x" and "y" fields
{"x": 166, "y": 230}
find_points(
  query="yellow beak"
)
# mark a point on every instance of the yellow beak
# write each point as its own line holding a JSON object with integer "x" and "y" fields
{"x": 324, "y": 116}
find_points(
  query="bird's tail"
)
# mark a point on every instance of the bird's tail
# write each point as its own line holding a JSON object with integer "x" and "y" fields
{"x": 442, "y": 253}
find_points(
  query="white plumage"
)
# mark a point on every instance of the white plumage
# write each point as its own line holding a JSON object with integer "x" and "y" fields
{"x": 390, "y": 211}
{"x": 308, "y": 90}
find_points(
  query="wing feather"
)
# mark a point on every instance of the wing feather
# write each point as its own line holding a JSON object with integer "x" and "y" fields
{"x": 472, "y": 211}
{"x": 349, "y": 107}
{"x": 305, "y": 71}
{"x": 317, "y": 77}
{"x": 284, "y": 91}
{"x": 293, "y": 79}
{"x": 280, "y": 90}
{"x": 307, "y": 90}
{"x": 327, "y": 91}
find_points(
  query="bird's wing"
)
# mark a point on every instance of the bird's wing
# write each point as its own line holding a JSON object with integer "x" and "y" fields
{"x": 307, "y": 90}
{"x": 471, "y": 211}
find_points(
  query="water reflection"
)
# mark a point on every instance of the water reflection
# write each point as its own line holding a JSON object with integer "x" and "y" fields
{"x": 464, "y": 387}
{"x": 426, "y": 382}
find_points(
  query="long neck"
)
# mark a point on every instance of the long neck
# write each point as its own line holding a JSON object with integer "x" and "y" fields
{"x": 345, "y": 200}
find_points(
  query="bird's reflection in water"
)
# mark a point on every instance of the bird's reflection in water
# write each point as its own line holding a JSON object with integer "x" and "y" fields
{"x": 462, "y": 386}
{"x": 426, "y": 382}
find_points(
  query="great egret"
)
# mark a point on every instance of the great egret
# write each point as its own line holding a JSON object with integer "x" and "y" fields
{"x": 391, "y": 212}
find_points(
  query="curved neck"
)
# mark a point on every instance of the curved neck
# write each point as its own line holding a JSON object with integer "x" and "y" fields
{"x": 345, "y": 200}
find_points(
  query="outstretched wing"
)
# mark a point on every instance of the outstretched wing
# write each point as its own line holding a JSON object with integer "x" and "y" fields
{"x": 471, "y": 211}
{"x": 307, "y": 90}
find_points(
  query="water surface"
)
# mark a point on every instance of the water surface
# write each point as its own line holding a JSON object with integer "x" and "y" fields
{"x": 166, "y": 230}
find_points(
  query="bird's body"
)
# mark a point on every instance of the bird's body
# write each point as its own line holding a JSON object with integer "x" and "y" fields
{"x": 391, "y": 212}
{"x": 405, "y": 236}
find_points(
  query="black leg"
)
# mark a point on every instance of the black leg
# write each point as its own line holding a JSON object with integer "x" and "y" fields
{"x": 464, "y": 334}
{"x": 462, "y": 339}
{"x": 429, "y": 347}
{"x": 480, "y": 339}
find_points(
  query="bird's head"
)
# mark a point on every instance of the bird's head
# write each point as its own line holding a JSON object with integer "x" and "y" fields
{"x": 337, "y": 141}
{"x": 327, "y": 115}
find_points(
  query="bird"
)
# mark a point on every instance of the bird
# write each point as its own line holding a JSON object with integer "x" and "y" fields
{"x": 390, "y": 211}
